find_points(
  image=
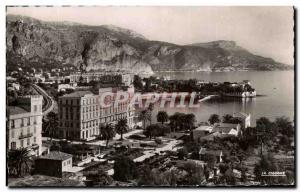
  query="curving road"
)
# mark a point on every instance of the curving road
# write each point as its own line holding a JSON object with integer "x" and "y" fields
{"x": 49, "y": 102}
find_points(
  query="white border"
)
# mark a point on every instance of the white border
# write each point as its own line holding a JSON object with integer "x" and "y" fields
{"x": 4, "y": 3}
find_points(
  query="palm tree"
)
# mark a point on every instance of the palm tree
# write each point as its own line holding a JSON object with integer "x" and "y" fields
{"x": 107, "y": 132}
{"x": 189, "y": 121}
{"x": 121, "y": 127}
{"x": 18, "y": 161}
{"x": 162, "y": 117}
{"x": 152, "y": 130}
{"x": 150, "y": 109}
{"x": 175, "y": 120}
{"x": 144, "y": 116}
{"x": 214, "y": 118}
{"x": 51, "y": 124}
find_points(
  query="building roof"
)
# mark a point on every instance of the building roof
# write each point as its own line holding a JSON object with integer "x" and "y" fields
{"x": 78, "y": 94}
{"x": 241, "y": 114}
{"x": 225, "y": 127}
{"x": 14, "y": 110}
{"x": 211, "y": 136}
{"x": 56, "y": 155}
{"x": 204, "y": 151}
{"x": 204, "y": 128}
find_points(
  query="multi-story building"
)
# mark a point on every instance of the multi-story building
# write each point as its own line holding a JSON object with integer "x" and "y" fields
{"x": 25, "y": 124}
{"x": 103, "y": 77}
{"x": 81, "y": 113}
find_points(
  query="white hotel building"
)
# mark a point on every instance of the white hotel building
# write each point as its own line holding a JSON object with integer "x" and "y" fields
{"x": 80, "y": 113}
{"x": 24, "y": 123}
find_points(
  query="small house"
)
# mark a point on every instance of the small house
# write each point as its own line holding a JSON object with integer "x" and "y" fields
{"x": 53, "y": 164}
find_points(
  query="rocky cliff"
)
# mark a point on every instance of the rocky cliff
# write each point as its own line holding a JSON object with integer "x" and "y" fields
{"x": 53, "y": 44}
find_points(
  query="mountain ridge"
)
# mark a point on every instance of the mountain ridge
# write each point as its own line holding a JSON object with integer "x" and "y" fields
{"x": 88, "y": 47}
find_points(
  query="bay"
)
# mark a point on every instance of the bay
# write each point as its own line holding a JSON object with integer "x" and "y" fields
{"x": 276, "y": 86}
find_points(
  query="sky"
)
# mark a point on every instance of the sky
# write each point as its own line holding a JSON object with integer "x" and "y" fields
{"x": 266, "y": 31}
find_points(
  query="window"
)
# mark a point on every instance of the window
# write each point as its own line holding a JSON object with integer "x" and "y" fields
{"x": 13, "y": 145}
{"x": 34, "y": 129}
{"x": 22, "y": 142}
{"x": 22, "y": 122}
{"x": 34, "y": 139}
{"x": 34, "y": 121}
{"x": 12, "y": 134}
{"x": 35, "y": 108}
{"x": 12, "y": 123}
{"x": 28, "y": 141}
{"x": 28, "y": 121}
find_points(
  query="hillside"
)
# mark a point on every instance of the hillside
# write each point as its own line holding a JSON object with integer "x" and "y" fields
{"x": 31, "y": 42}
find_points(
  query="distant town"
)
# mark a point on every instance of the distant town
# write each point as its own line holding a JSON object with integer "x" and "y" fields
{"x": 59, "y": 135}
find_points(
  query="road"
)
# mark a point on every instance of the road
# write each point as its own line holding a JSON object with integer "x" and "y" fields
{"x": 47, "y": 98}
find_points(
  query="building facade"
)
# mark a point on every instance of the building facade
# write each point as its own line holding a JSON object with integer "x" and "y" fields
{"x": 119, "y": 78}
{"x": 25, "y": 124}
{"x": 81, "y": 113}
{"x": 60, "y": 162}
{"x": 244, "y": 118}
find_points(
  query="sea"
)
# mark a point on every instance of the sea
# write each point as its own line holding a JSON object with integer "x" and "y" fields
{"x": 275, "y": 87}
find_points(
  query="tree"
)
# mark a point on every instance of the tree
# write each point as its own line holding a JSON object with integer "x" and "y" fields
{"x": 265, "y": 165}
{"x": 144, "y": 116}
{"x": 227, "y": 118}
{"x": 137, "y": 82}
{"x": 264, "y": 131}
{"x": 51, "y": 124}
{"x": 195, "y": 173}
{"x": 211, "y": 161}
{"x": 18, "y": 161}
{"x": 107, "y": 132}
{"x": 100, "y": 177}
{"x": 124, "y": 169}
{"x": 162, "y": 117}
{"x": 214, "y": 118}
{"x": 176, "y": 120}
{"x": 189, "y": 120}
{"x": 152, "y": 130}
{"x": 284, "y": 126}
{"x": 182, "y": 153}
{"x": 121, "y": 127}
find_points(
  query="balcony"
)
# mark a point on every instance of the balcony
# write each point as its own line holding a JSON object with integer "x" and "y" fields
{"x": 22, "y": 136}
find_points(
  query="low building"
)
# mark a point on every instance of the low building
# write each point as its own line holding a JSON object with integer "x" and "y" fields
{"x": 25, "y": 124}
{"x": 244, "y": 118}
{"x": 227, "y": 129}
{"x": 53, "y": 164}
{"x": 201, "y": 131}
